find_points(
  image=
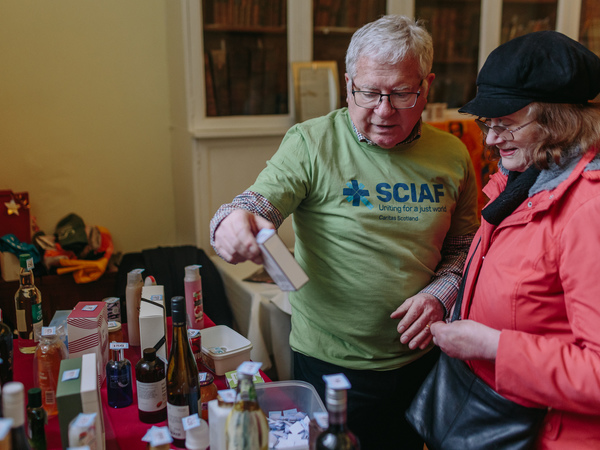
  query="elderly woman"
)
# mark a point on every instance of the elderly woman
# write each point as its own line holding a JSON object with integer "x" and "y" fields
{"x": 530, "y": 313}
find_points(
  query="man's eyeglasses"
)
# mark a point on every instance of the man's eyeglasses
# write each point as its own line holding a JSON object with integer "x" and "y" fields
{"x": 398, "y": 100}
{"x": 502, "y": 132}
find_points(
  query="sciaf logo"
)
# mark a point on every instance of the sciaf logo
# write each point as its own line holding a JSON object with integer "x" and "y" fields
{"x": 357, "y": 193}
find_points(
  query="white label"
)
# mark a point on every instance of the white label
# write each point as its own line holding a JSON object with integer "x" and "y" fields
{"x": 70, "y": 375}
{"x": 190, "y": 422}
{"x": 151, "y": 396}
{"x": 228, "y": 395}
{"x": 89, "y": 308}
{"x": 175, "y": 415}
{"x": 119, "y": 345}
{"x": 337, "y": 381}
{"x": 48, "y": 331}
{"x": 249, "y": 367}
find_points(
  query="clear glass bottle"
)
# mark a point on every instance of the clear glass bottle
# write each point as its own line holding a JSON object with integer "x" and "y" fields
{"x": 50, "y": 351}
{"x": 183, "y": 391}
{"x": 28, "y": 307}
{"x": 6, "y": 352}
{"x": 119, "y": 389}
{"x": 151, "y": 383}
{"x": 13, "y": 405}
{"x": 36, "y": 419}
{"x": 218, "y": 412}
{"x": 337, "y": 436}
{"x": 246, "y": 426}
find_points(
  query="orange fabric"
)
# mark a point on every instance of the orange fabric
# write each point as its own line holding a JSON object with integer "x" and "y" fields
{"x": 85, "y": 271}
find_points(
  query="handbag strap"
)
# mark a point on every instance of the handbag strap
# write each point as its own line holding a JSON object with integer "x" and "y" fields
{"x": 461, "y": 289}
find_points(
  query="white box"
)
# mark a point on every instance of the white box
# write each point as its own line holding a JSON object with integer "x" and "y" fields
{"x": 9, "y": 265}
{"x": 279, "y": 262}
{"x": 153, "y": 320}
{"x": 87, "y": 329}
{"x": 78, "y": 392}
{"x": 224, "y": 349}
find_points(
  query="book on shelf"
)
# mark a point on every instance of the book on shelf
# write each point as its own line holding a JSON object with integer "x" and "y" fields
{"x": 211, "y": 105}
{"x": 218, "y": 59}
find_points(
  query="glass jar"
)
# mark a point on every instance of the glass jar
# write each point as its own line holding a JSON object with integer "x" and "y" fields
{"x": 46, "y": 367}
{"x": 115, "y": 333}
{"x": 208, "y": 392}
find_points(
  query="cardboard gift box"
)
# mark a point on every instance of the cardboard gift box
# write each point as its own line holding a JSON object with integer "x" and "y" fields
{"x": 87, "y": 329}
{"x": 153, "y": 320}
{"x": 78, "y": 392}
{"x": 14, "y": 215}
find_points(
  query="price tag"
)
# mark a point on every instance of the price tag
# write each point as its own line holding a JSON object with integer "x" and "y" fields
{"x": 157, "y": 436}
{"x": 337, "y": 381}
{"x": 249, "y": 367}
{"x": 119, "y": 345}
{"x": 85, "y": 420}
{"x": 190, "y": 422}
{"x": 89, "y": 308}
{"x": 70, "y": 374}
{"x": 228, "y": 395}
{"x": 48, "y": 331}
{"x": 29, "y": 264}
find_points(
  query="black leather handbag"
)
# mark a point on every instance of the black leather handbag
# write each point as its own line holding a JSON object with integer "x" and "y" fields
{"x": 455, "y": 409}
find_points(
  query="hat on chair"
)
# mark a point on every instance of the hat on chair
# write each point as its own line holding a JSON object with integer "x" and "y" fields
{"x": 544, "y": 66}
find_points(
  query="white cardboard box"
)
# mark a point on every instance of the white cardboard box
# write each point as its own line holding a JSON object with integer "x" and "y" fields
{"x": 279, "y": 262}
{"x": 87, "y": 329}
{"x": 78, "y": 392}
{"x": 153, "y": 320}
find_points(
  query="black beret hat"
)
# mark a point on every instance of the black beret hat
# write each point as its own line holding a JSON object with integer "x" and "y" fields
{"x": 545, "y": 66}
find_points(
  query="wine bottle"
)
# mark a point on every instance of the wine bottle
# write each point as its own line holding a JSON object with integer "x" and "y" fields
{"x": 247, "y": 426}
{"x": 13, "y": 405}
{"x": 183, "y": 391}
{"x": 28, "y": 306}
{"x": 337, "y": 436}
{"x": 50, "y": 351}
{"x": 36, "y": 419}
{"x": 151, "y": 382}
{"x": 6, "y": 352}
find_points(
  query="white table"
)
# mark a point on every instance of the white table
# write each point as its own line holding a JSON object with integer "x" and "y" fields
{"x": 262, "y": 313}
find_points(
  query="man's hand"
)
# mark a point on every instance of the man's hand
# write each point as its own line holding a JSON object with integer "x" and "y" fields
{"x": 466, "y": 339}
{"x": 416, "y": 314}
{"x": 235, "y": 237}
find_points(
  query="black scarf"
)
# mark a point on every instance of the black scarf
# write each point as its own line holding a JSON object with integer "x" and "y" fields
{"x": 515, "y": 193}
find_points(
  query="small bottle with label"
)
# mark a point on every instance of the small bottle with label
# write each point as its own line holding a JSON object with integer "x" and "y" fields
{"x": 337, "y": 436}
{"x": 151, "y": 383}
{"x": 46, "y": 367}
{"x": 193, "y": 297}
{"x": 218, "y": 411}
{"x": 208, "y": 392}
{"x": 6, "y": 352}
{"x": 28, "y": 307}
{"x": 36, "y": 419}
{"x": 119, "y": 388}
{"x": 247, "y": 425}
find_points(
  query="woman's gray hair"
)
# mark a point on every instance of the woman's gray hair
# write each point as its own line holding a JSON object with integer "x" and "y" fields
{"x": 389, "y": 40}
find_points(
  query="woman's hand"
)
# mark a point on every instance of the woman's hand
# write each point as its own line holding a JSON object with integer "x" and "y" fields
{"x": 466, "y": 339}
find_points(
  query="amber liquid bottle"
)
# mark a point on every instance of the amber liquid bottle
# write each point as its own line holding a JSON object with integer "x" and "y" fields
{"x": 46, "y": 367}
{"x": 337, "y": 436}
{"x": 151, "y": 383}
{"x": 28, "y": 306}
{"x": 183, "y": 391}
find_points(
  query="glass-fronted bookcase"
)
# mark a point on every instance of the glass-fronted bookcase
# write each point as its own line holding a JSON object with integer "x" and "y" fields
{"x": 239, "y": 53}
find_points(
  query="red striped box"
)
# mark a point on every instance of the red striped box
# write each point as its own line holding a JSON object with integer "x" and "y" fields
{"x": 87, "y": 330}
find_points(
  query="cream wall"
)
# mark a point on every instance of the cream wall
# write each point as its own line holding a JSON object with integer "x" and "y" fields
{"x": 85, "y": 116}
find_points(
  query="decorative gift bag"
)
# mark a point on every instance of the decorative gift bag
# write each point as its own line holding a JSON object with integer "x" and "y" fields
{"x": 14, "y": 215}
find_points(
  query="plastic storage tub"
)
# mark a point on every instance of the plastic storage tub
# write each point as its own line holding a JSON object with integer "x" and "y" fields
{"x": 224, "y": 349}
{"x": 286, "y": 395}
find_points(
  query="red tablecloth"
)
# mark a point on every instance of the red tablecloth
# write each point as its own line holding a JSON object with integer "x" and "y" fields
{"x": 122, "y": 427}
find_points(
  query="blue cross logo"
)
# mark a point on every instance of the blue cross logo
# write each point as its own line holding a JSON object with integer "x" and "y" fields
{"x": 357, "y": 193}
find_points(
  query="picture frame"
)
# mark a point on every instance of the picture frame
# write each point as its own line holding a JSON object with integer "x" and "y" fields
{"x": 316, "y": 88}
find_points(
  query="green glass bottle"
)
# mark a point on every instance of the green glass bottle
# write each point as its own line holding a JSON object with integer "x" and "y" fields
{"x": 36, "y": 419}
{"x": 28, "y": 307}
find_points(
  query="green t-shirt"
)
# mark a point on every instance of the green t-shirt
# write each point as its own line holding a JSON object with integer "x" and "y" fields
{"x": 369, "y": 225}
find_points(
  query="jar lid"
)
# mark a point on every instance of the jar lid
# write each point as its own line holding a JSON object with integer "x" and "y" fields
{"x": 113, "y": 325}
{"x": 205, "y": 378}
